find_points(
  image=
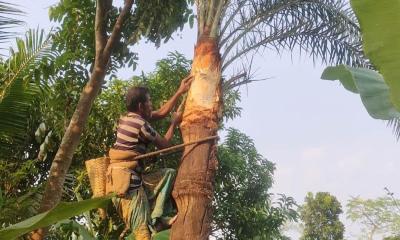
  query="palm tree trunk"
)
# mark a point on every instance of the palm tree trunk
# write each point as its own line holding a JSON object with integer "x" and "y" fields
{"x": 194, "y": 185}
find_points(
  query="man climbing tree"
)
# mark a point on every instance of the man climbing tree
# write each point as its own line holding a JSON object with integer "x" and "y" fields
{"x": 126, "y": 176}
{"x": 111, "y": 29}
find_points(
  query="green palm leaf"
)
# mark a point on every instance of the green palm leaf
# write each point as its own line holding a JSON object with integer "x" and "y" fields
{"x": 22, "y": 83}
{"x": 381, "y": 43}
{"x": 23, "y": 61}
{"x": 8, "y": 12}
{"x": 324, "y": 29}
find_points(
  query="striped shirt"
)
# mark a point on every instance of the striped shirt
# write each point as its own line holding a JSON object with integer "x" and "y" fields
{"x": 134, "y": 133}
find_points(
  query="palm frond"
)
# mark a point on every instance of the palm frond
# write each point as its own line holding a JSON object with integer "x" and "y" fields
{"x": 8, "y": 12}
{"x": 395, "y": 124}
{"x": 14, "y": 111}
{"x": 15, "y": 209}
{"x": 21, "y": 83}
{"x": 23, "y": 61}
{"x": 325, "y": 29}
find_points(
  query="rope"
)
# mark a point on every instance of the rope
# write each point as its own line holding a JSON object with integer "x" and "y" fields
{"x": 151, "y": 154}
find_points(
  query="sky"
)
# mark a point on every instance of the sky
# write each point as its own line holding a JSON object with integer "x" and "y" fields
{"x": 319, "y": 135}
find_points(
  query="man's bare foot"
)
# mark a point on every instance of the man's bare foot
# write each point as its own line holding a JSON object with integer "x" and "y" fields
{"x": 164, "y": 223}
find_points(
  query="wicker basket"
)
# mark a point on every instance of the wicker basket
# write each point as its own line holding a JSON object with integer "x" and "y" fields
{"x": 97, "y": 169}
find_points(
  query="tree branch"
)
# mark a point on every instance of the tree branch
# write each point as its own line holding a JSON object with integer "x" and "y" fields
{"x": 100, "y": 27}
{"x": 115, "y": 35}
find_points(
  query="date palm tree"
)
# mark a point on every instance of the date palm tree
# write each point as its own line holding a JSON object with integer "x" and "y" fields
{"x": 231, "y": 30}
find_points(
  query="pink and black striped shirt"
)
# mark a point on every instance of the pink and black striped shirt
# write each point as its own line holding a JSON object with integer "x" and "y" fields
{"x": 134, "y": 133}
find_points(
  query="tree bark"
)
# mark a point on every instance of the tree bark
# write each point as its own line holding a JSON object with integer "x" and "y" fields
{"x": 62, "y": 161}
{"x": 194, "y": 185}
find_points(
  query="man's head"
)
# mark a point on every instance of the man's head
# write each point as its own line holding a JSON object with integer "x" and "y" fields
{"x": 138, "y": 100}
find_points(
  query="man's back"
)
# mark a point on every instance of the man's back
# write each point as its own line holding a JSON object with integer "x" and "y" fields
{"x": 134, "y": 133}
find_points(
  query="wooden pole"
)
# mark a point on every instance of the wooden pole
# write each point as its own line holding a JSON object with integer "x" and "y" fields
{"x": 151, "y": 154}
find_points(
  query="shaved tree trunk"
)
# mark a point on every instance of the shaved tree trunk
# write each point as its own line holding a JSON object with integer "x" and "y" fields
{"x": 194, "y": 185}
{"x": 62, "y": 161}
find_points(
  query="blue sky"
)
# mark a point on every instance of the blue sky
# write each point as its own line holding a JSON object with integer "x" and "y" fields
{"x": 319, "y": 136}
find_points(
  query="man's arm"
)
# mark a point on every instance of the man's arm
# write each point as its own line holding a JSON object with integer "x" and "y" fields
{"x": 164, "y": 142}
{"x": 167, "y": 107}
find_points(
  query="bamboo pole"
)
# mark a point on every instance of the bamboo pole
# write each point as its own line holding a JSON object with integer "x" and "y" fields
{"x": 151, "y": 154}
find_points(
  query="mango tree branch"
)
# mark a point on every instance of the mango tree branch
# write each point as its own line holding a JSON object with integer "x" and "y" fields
{"x": 100, "y": 27}
{"x": 116, "y": 33}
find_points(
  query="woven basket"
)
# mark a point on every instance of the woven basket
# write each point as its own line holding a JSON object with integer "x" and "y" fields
{"x": 97, "y": 169}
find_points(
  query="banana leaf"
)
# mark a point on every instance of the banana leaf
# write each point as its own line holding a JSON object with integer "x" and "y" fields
{"x": 63, "y": 210}
{"x": 373, "y": 90}
{"x": 379, "y": 21}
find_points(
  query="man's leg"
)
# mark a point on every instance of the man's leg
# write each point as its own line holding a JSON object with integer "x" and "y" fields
{"x": 158, "y": 186}
{"x": 135, "y": 213}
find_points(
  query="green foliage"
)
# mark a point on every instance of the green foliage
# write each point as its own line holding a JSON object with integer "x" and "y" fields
{"x": 323, "y": 29}
{"x": 17, "y": 207}
{"x": 71, "y": 228}
{"x": 243, "y": 208}
{"x": 23, "y": 84}
{"x": 22, "y": 79}
{"x": 239, "y": 160}
{"x": 158, "y": 20}
{"x": 75, "y": 38}
{"x": 61, "y": 211}
{"x": 320, "y": 215}
{"x": 375, "y": 215}
{"x": 381, "y": 45}
{"x": 370, "y": 85}
{"x": 392, "y": 238}
{"x": 162, "y": 83}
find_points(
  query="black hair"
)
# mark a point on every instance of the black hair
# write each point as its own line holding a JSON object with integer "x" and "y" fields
{"x": 134, "y": 96}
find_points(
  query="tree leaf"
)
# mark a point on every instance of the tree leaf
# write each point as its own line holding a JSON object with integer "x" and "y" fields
{"x": 164, "y": 235}
{"x": 373, "y": 90}
{"x": 381, "y": 41}
{"x": 63, "y": 210}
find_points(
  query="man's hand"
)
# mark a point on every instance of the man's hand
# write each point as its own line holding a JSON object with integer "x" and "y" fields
{"x": 176, "y": 118}
{"x": 185, "y": 84}
{"x": 167, "y": 107}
